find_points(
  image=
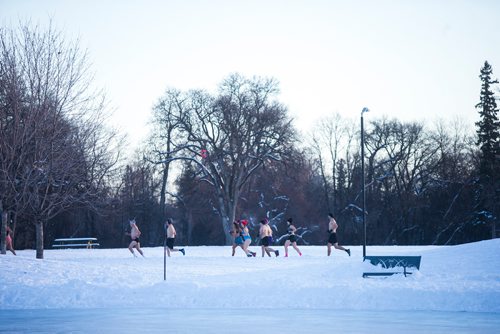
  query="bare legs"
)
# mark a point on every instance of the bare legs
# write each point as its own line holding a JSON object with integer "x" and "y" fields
{"x": 268, "y": 251}
{"x": 136, "y": 245}
{"x": 8, "y": 244}
{"x": 176, "y": 250}
{"x": 245, "y": 246}
{"x": 337, "y": 246}
{"x": 294, "y": 245}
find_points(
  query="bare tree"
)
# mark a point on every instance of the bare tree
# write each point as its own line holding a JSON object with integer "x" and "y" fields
{"x": 454, "y": 176}
{"x": 231, "y": 135}
{"x": 138, "y": 195}
{"x": 321, "y": 164}
{"x": 55, "y": 152}
{"x": 401, "y": 161}
{"x": 165, "y": 130}
{"x": 331, "y": 138}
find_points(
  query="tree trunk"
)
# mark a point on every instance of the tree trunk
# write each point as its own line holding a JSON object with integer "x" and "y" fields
{"x": 325, "y": 185}
{"x": 163, "y": 190}
{"x": 226, "y": 221}
{"x": 39, "y": 239}
{"x": 3, "y": 231}
{"x": 493, "y": 229}
{"x": 188, "y": 227}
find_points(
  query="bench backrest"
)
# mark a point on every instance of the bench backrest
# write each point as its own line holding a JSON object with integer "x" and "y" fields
{"x": 74, "y": 239}
{"x": 389, "y": 261}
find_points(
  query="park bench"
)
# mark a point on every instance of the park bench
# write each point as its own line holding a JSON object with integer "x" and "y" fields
{"x": 75, "y": 243}
{"x": 389, "y": 262}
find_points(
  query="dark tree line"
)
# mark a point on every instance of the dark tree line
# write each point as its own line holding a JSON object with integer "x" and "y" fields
{"x": 423, "y": 184}
{"x": 234, "y": 154}
{"x": 420, "y": 190}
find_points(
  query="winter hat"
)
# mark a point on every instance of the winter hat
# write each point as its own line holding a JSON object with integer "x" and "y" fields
{"x": 244, "y": 222}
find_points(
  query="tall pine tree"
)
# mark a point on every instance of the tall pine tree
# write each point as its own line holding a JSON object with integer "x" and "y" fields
{"x": 488, "y": 131}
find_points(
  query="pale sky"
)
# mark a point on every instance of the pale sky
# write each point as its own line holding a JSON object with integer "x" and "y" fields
{"x": 412, "y": 60}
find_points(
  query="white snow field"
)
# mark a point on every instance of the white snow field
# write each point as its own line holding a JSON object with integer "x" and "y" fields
{"x": 457, "y": 290}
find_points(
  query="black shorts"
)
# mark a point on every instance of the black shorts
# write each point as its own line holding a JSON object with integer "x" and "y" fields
{"x": 136, "y": 240}
{"x": 170, "y": 243}
{"x": 266, "y": 241}
{"x": 292, "y": 238}
{"x": 332, "y": 239}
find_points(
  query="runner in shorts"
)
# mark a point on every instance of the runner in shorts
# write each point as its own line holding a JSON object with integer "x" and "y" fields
{"x": 332, "y": 239}
{"x": 134, "y": 234}
{"x": 266, "y": 237}
{"x": 292, "y": 238}
{"x": 171, "y": 233}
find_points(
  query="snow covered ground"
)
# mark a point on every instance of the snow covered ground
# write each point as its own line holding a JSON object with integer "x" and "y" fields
{"x": 211, "y": 287}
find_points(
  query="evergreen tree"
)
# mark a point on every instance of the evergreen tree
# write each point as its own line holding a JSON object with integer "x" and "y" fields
{"x": 488, "y": 131}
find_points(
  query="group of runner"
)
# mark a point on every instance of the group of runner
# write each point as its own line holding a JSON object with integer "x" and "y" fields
{"x": 240, "y": 233}
{"x": 170, "y": 232}
{"x": 242, "y": 239}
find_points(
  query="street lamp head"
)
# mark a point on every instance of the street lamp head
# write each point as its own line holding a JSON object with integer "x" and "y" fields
{"x": 365, "y": 109}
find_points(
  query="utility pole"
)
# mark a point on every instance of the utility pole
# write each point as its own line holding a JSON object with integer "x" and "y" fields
{"x": 363, "y": 178}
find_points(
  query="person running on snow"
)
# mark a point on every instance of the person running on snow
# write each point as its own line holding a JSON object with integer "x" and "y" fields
{"x": 135, "y": 233}
{"x": 247, "y": 240}
{"x": 241, "y": 237}
{"x": 171, "y": 233}
{"x": 292, "y": 238}
{"x": 237, "y": 239}
{"x": 332, "y": 240}
{"x": 266, "y": 238}
{"x": 8, "y": 240}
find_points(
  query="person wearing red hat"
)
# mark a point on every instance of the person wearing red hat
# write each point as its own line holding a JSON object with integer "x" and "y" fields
{"x": 241, "y": 237}
{"x": 247, "y": 240}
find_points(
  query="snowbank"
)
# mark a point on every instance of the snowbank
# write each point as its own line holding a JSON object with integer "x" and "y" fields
{"x": 451, "y": 278}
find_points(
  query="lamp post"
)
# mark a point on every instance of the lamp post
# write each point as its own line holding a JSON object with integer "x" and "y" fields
{"x": 363, "y": 178}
